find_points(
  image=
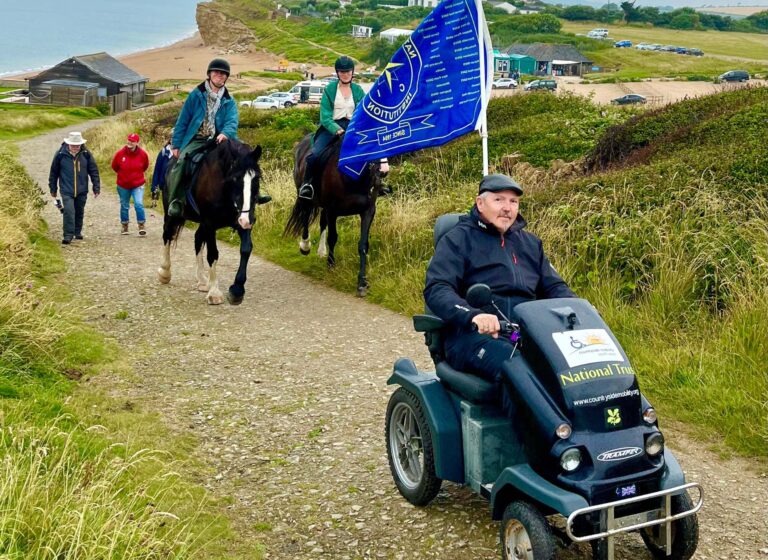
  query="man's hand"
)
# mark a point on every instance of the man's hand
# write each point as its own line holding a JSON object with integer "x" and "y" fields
{"x": 96, "y": 194}
{"x": 221, "y": 138}
{"x": 487, "y": 323}
{"x": 175, "y": 153}
{"x": 340, "y": 132}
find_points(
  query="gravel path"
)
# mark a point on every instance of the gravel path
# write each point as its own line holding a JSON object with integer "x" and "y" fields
{"x": 287, "y": 393}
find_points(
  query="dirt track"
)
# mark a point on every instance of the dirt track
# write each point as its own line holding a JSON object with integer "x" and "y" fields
{"x": 287, "y": 394}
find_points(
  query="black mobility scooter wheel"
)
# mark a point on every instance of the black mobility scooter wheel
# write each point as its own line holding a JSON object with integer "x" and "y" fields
{"x": 525, "y": 534}
{"x": 409, "y": 449}
{"x": 685, "y": 533}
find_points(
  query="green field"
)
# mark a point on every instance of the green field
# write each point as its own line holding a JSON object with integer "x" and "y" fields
{"x": 747, "y": 46}
{"x": 24, "y": 121}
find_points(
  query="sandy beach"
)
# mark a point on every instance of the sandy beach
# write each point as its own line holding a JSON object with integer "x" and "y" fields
{"x": 188, "y": 59}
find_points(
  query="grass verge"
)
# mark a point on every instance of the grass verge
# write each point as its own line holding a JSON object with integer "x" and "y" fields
{"x": 80, "y": 475}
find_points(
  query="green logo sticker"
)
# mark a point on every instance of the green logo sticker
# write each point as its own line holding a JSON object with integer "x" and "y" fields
{"x": 613, "y": 417}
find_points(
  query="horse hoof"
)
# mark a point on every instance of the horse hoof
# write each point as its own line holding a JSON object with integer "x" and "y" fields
{"x": 215, "y": 300}
{"x": 362, "y": 291}
{"x": 303, "y": 252}
{"x": 234, "y": 300}
{"x": 163, "y": 276}
{"x": 202, "y": 287}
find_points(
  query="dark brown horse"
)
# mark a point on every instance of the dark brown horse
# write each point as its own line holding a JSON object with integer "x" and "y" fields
{"x": 335, "y": 195}
{"x": 224, "y": 195}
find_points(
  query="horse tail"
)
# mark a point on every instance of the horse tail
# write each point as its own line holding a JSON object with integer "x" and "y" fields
{"x": 303, "y": 212}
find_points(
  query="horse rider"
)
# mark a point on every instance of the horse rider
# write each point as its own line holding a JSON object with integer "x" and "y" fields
{"x": 209, "y": 112}
{"x": 489, "y": 246}
{"x": 339, "y": 100}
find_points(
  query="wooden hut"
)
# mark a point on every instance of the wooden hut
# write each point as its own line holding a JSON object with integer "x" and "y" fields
{"x": 114, "y": 79}
{"x": 66, "y": 92}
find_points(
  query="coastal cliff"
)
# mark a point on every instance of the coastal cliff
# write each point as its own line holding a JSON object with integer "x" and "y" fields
{"x": 221, "y": 30}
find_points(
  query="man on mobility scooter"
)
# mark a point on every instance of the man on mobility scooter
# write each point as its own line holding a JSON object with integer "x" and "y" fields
{"x": 541, "y": 418}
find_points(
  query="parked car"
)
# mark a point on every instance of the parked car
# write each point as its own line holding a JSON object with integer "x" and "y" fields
{"x": 734, "y": 76}
{"x": 265, "y": 102}
{"x": 308, "y": 91}
{"x": 328, "y": 79}
{"x": 668, "y": 48}
{"x": 598, "y": 33}
{"x": 654, "y": 47}
{"x": 508, "y": 83}
{"x": 629, "y": 99}
{"x": 643, "y": 47}
{"x": 550, "y": 85}
{"x": 695, "y": 52}
{"x": 622, "y": 44}
{"x": 681, "y": 50}
{"x": 285, "y": 98}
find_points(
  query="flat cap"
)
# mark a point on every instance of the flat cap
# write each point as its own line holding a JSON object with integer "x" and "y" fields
{"x": 498, "y": 182}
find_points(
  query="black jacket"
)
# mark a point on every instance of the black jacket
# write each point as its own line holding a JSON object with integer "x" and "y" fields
{"x": 70, "y": 174}
{"x": 513, "y": 266}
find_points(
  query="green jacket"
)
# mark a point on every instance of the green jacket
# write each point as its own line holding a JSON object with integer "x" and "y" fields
{"x": 326, "y": 104}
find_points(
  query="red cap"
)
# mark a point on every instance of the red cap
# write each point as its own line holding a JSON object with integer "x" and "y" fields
{"x": 133, "y": 137}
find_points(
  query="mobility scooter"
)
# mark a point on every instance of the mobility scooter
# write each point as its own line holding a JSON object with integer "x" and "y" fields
{"x": 578, "y": 440}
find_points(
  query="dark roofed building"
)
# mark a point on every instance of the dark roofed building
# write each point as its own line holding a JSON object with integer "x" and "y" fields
{"x": 555, "y": 60}
{"x": 112, "y": 76}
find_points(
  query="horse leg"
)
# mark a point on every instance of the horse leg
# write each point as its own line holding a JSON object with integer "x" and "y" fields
{"x": 214, "y": 296}
{"x": 333, "y": 237}
{"x": 366, "y": 219}
{"x": 202, "y": 267}
{"x": 322, "y": 246}
{"x": 164, "y": 272}
{"x": 305, "y": 244}
{"x": 237, "y": 290}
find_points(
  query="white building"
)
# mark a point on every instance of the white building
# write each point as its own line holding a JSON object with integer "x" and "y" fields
{"x": 506, "y": 6}
{"x": 394, "y": 33}
{"x": 423, "y": 3}
{"x": 361, "y": 31}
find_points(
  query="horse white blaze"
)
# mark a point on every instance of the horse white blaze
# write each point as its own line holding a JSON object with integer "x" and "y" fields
{"x": 214, "y": 296}
{"x": 243, "y": 219}
{"x": 164, "y": 272}
{"x": 322, "y": 246}
{"x": 202, "y": 277}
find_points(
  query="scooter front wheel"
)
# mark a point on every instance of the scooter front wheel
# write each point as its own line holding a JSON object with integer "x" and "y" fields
{"x": 685, "y": 533}
{"x": 525, "y": 534}
{"x": 409, "y": 449}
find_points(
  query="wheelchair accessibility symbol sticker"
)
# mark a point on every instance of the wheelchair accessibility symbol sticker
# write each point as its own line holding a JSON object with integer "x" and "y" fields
{"x": 587, "y": 346}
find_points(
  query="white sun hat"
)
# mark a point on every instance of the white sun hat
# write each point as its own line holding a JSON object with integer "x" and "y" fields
{"x": 75, "y": 139}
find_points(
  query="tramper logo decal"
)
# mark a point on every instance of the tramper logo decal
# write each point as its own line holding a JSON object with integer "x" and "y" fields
{"x": 587, "y": 346}
{"x": 619, "y": 454}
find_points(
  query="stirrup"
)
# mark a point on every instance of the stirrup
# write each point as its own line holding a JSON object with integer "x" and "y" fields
{"x": 307, "y": 191}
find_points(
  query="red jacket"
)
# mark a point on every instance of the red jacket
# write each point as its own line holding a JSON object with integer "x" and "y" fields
{"x": 130, "y": 167}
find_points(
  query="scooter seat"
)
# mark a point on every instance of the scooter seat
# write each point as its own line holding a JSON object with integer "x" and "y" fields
{"x": 467, "y": 385}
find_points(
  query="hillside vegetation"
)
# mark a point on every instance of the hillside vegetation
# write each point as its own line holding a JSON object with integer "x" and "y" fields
{"x": 662, "y": 224}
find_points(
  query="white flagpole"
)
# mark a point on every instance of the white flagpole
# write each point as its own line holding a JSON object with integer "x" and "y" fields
{"x": 482, "y": 32}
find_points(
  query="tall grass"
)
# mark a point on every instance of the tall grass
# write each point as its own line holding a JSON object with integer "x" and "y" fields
{"x": 70, "y": 488}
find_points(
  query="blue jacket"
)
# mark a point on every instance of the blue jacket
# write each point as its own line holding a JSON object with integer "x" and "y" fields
{"x": 70, "y": 173}
{"x": 161, "y": 167}
{"x": 193, "y": 113}
{"x": 513, "y": 265}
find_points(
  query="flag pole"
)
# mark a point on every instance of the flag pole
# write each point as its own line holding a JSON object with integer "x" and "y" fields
{"x": 482, "y": 32}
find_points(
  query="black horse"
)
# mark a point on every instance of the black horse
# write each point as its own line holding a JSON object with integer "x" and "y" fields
{"x": 335, "y": 195}
{"x": 224, "y": 195}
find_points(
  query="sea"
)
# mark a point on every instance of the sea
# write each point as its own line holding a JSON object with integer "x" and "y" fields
{"x": 38, "y": 34}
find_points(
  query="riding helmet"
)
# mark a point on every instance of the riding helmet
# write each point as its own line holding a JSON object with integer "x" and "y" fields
{"x": 344, "y": 64}
{"x": 218, "y": 64}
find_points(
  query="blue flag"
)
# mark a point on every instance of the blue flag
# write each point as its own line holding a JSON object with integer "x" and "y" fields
{"x": 433, "y": 90}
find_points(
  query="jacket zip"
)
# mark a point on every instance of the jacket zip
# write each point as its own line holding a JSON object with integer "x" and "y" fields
{"x": 74, "y": 174}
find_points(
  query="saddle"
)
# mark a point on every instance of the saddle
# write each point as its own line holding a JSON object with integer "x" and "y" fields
{"x": 191, "y": 170}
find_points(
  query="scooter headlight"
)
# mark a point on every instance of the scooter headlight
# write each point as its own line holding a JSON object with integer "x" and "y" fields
{"x": 649, "y": 415}
{"x": 654, "y": 444}
{"x": 563, "y": 431}
{"x": 570, "y": 459}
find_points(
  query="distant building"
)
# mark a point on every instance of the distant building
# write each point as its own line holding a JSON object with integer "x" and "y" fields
{"x": 505, "y": 63}
{"x": 80, "y": 73}
{"x": 423, "y": 3}
{"x": 506, "y": 6}
{"x": 392, "y": 34}
{"x": 361, "y": 31}
{"x": 554, "y": 60}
